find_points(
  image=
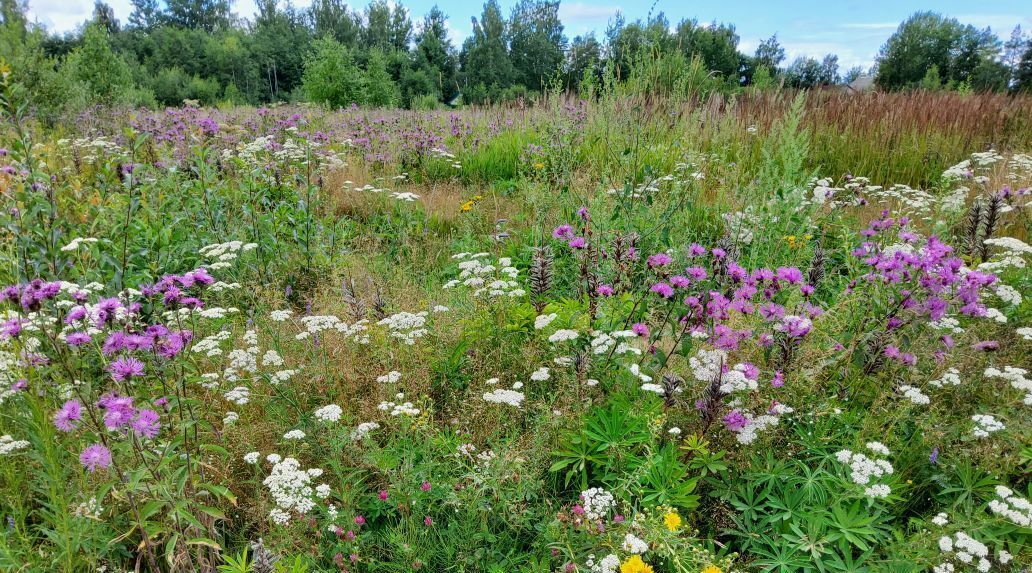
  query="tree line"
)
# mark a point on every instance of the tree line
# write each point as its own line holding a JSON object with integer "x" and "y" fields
{"x": 175, "y": 50}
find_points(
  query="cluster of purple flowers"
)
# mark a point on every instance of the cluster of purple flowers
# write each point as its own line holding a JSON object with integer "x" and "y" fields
{"x": 171, "y": 288}
{"x": 930, "y": 278}
{"x": 32, "y": 294}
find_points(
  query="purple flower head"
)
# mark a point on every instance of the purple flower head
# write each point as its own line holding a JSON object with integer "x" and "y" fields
{"x": 659, "y": 260}
{"x": 118, "y": 410}
{"x": 680, "y": 281}
{"x": 563, "y": 232}
{"x": 78, "y": 338}
{"x": 94, "y": 457}
{"x": 663, "y": 289}
{"x": 76, "y": 313}
{"x": 115, "y": 342}
{"x": 735, "y": 421}
{"x": 790, "y": 275}
{"x": 577, "y": 243}
{"x": 11, "y": 328}
{"x": 641, "y": 329}
{"x": 779, "y": 380}
{"x": 772, "y": 312}
{"x": 68, "y": 415}
{"x": 696, "y": 250}
{"x": 125, "y": 367}
{"x": 146, "y": 423}
{"x": 796, "y": 326}
{"x": 583, "y": 214}
{"x": 604, "y": 290}
{"x": 696, "y": 273}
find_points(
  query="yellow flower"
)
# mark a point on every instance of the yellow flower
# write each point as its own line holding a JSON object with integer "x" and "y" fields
{"x": 711, "y": 569}
{"x": 672, "y": 521}
{"x": 539, "y": 166}
{"x": 634, "y": 564}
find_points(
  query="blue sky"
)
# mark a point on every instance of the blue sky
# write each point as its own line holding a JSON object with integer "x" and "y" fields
{"x": 853, "y": 30}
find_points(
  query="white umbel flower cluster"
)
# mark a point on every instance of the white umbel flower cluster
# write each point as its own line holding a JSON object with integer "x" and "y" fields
{"x": 1017, "y": 377}
{"x": 329, "y": 413}
{"x": 866, "y": 471}
{"x": 706, "y": 364}
{"x": 914, "y": 394}
{"x": 222, "y": 254}
{"x": 291, "y": 489}
{"x": 597, "y": 503}
{"x": 634, "y": 544}
{"x": 985, "y": 425}
{"x": 399, "y": 408}
{"x": 513, "y": 398}
{"x": 1013, "y": 508}
{"x": 9, "y": 445}
{"x": 615, "y": 342}
{"x": 609, "y": 564}
{"x": 406, "y": 326}
{"x": 966, "y": 550}
{"x": 314, "y": 324}
{"x": 486, "y": 279}
{"x": 363, "y": 429}
{"x": 949, "y": 378}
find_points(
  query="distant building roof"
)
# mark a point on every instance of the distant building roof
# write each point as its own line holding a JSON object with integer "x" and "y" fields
{"x": 862, "y": 83}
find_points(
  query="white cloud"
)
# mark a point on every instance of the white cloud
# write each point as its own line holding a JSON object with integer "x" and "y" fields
{"x": 577, "y": 12}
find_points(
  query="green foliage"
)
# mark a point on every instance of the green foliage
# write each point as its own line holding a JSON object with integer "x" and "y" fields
{"x": 331, "y": 76}
{"x": 103, "y": 73}
{"x": 929, "y": 39}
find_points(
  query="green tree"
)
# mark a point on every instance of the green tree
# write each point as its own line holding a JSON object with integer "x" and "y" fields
{"x": 583, "y": 59}
{"x": 932, "y": 80}
{"x": 332, "y": 17}
{"x": 1022, "y": 76}
{"x": 279, "y": 42}
{"x": 331, "y": 76}
{"x": 770, "y": 54}
{"x": 380, "y": 88}
{"x": 536, "y": 42}
{"x": 806, "y": 72}
{"x": 103, "y": 73}
{"x": 434, "y": 59}
{"x": 926, "y": 39}
{"x": 486, "y": 67}
{"x": 852, "y": 74}
{"x": 207, "y": 15}
{"x": 35, "y": 72}
{"x": 716, "y": 44}
{"x": 146, "y": 14}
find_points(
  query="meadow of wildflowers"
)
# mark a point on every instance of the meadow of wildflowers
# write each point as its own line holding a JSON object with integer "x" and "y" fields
{"x": 612, "y": 335}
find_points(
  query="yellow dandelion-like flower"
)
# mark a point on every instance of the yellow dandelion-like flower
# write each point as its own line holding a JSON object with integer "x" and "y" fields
{"x": 711, "y": 569}
{"x": 672, "y": 520}
{"x": 634, "y": 564}
{"x": 539, "y": 166}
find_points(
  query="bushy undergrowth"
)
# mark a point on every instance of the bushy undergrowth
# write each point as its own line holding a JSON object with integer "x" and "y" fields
{"x": 628, "y": 334}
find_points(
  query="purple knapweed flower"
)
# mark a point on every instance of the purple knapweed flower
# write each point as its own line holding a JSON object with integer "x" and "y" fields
{"x": 146, "y": 423}
{"x": 94, "y": 457}
{"x": 125, "y": 367}
{"x": 663, "y": 289}
{"x": 65, "y": 419}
